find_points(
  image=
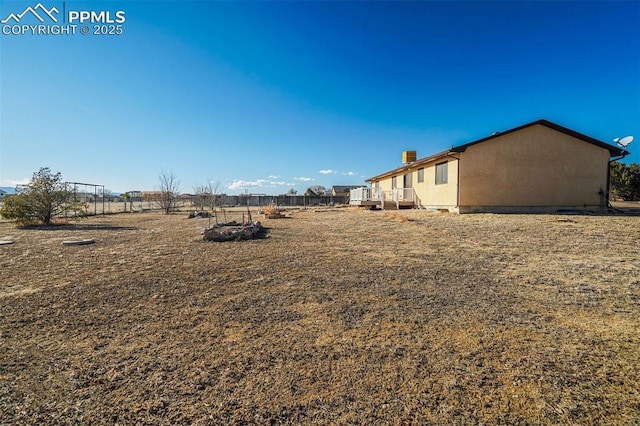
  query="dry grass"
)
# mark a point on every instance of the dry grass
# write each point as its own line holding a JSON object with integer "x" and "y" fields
{"x": 343, "y": 318}
{"x": 398, "y": 217}
{"x": 271, "y": 210}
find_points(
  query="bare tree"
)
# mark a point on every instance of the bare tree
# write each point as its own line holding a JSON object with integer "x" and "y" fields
{"x": 107, "y": 194}
{"x": 168, "y": 189}
{"x": 207, "y": 195}
{"x": 214, "y": 190}
{"x": 201, "y": 197}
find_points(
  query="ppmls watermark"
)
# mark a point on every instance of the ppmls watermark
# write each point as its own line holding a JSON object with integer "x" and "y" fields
{"x": 40, "y": 20}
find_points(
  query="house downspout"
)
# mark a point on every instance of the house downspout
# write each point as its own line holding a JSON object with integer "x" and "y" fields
{"x": 457, "y": 181}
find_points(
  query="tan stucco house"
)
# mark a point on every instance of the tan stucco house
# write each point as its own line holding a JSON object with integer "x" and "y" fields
{"x": 537, "y": 167}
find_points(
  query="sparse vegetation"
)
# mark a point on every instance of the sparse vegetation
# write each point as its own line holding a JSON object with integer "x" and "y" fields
{"x": 346, "y": 317}
{"x": 168, "y": 190}
{"x": 271, "y": 209}
{"x": 398, "y": 217}
{"x": 625, "y": 181}
{"x": 207, "y": 194}
{"x": 44, "y": 198}
{"x": 273, "y": 212}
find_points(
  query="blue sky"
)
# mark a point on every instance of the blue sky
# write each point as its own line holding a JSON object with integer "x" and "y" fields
{"x": 267, "y": 96}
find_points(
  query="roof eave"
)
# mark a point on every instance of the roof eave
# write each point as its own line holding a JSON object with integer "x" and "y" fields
{"x": 613, "y": 150}
{"x": 411, "y": 165}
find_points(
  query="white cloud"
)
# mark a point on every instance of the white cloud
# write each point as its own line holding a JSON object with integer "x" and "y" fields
{"x": 14, "y": 182}
{"x": 259, "y": 183}
{"x": 335, "y": 172}
{"x": 243, "y": 184}
{"x": 273, "y": 176}
{"x": 303, "y": 179}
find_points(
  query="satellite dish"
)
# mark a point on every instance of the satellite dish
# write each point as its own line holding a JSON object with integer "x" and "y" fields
{"x": 624, "y": 142}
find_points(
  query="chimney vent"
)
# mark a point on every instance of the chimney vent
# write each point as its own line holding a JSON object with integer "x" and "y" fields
{"x": 408, "y": 157}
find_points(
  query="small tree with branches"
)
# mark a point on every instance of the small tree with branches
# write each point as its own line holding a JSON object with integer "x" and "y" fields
{"x": 214, "y": 190}
{"x": 207, "y": 195}
{"x": 45, "y": 197}
{"x": 168, "y": 189}
{"x": 200, "y": 196}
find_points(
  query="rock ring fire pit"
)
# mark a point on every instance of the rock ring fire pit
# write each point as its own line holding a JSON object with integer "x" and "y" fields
{"x": 234, "y": 231}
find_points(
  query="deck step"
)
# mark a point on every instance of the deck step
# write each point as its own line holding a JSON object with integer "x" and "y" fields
{"x": 390, "y": 205}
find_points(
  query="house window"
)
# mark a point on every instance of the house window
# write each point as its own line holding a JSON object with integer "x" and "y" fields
{"x": 408, "y": 180}
{"x": 441, "y": 173}
{"x": 394, "y": 182}
{"x": 421, "y": 175}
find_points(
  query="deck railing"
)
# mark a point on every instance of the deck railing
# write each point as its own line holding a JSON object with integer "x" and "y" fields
{"x": 397, "y": 195}
{"x": 364, "y": 194}
{"x": 403, "y": 194}
{"x": 360, "y": 194}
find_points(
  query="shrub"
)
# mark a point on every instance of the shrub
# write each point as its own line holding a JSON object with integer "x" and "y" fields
{"x": 42, "y": 199}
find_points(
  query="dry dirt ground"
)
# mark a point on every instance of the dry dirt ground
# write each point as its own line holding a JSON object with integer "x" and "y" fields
{"x": 339, "y": 317}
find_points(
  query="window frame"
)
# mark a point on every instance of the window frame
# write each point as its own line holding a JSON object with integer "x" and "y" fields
{"x": 407, "y": 178}
{"x": 442, "y": 173}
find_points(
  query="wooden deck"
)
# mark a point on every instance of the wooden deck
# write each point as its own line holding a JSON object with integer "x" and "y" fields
{"x": 387, "y": 200}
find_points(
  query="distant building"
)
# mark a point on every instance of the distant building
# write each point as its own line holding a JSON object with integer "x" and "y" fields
{"x": 132, "y": 196}
{"x": 537, "y": 167}
{"x": 343, "y": 190}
